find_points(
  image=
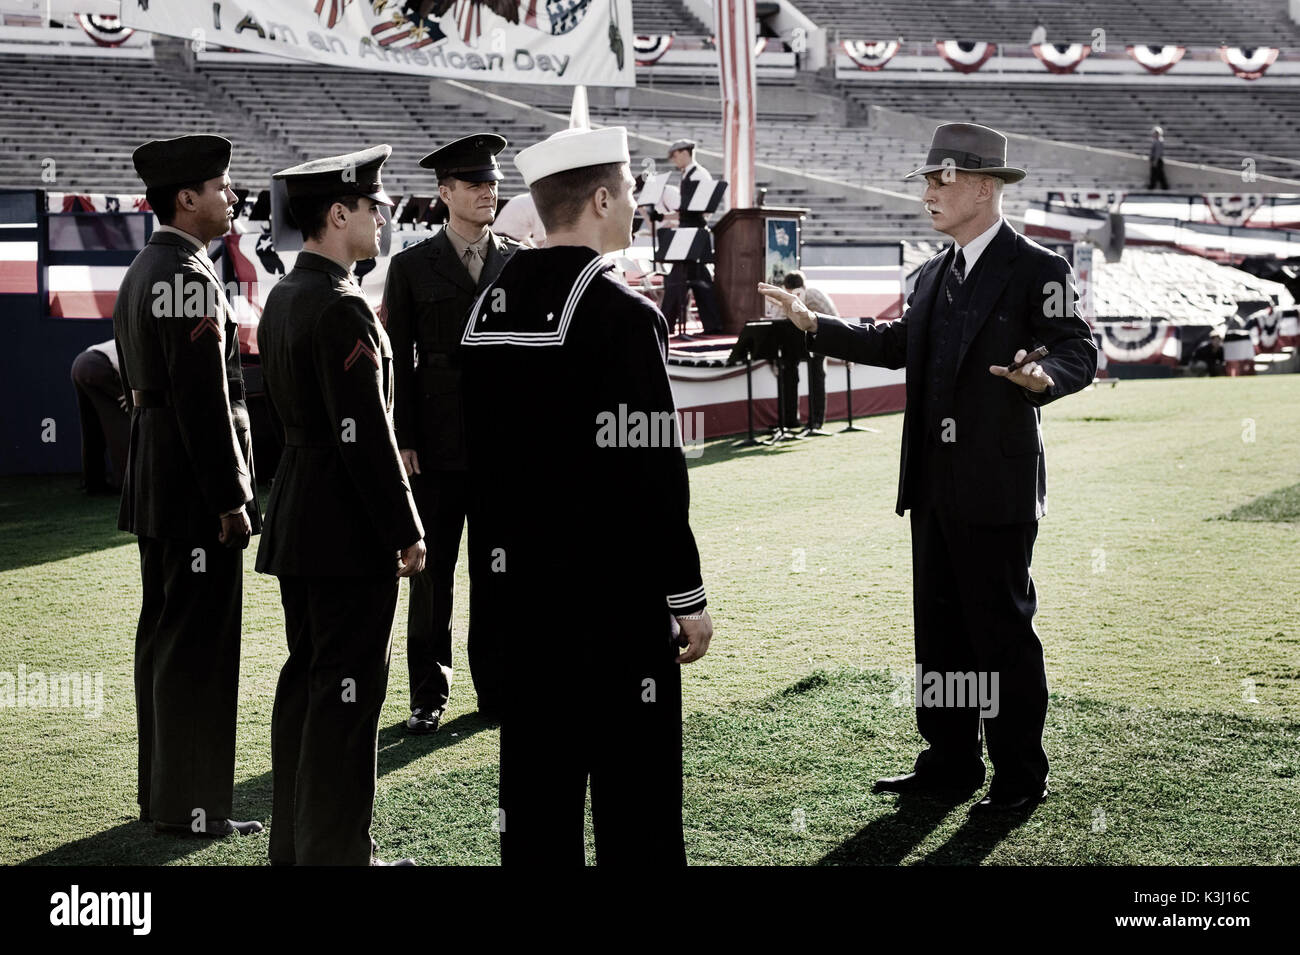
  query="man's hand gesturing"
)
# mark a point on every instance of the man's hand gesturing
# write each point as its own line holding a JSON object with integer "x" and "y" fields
{"x": 794, "y": 308}
{"x": 1030, "y": 375}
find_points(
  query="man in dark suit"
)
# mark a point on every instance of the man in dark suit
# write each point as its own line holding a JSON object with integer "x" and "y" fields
{"x": 189, "y": 490}
{"x": 692, "y": 275}
{"x": 341, "y": 525}
{"x": 430, "y": 289}
{"x": 972, "y": 470}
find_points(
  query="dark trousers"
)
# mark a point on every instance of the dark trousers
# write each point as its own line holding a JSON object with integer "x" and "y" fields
{"x": 187, "y": 679}
{"x": 694, "y": 276}
{"x": 816, "y": 392}
{"x": 974, "y": 604}
{"x": 442, "y": 498}
{"x": 325, "y": 722}
{"x": 1158, "y": 175}
{"x": 625, "y": 735}
{"x": 105, "y": 425}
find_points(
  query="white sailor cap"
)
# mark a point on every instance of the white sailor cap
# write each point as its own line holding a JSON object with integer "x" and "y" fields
{"x": 572, "y": 149}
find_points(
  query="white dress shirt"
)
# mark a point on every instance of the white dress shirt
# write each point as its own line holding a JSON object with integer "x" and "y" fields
{"x": 973, "y": 249}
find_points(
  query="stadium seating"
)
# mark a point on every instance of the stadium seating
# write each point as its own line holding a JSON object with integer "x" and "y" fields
{"x": 1218, "y": 125}
{"x": 666, "y": 16}
{"x": 1190, "y": 22}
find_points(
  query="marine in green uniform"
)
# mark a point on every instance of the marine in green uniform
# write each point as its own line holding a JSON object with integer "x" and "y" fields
{"x": 341, "y": 524}
{"x": 189, "y": 491}
{"x": 431, "y": 287}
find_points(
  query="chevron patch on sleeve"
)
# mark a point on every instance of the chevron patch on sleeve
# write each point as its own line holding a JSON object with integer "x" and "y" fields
{"x": 359, "y": 349}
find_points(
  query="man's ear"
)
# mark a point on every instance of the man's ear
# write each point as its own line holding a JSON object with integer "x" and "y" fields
{"x": 601, "y": 198}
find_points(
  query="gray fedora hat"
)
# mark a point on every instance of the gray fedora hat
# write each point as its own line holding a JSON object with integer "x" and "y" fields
{"x": 968, "y": 147}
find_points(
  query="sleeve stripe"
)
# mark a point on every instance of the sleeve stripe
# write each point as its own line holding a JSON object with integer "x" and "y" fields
{"x": 687, "y": 598}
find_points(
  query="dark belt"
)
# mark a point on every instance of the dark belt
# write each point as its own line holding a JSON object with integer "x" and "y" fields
{"x": 304, "y": 438}
{"x": 158, "y": 398}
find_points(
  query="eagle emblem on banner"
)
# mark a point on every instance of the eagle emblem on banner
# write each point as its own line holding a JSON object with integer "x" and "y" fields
{"x": 412, "y": 24}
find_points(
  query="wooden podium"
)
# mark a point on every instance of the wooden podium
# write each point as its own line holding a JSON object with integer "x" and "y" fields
{"x": 740, "y": 262}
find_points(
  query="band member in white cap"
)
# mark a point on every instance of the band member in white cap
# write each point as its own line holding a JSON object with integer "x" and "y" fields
{"x": 584, "y": 511}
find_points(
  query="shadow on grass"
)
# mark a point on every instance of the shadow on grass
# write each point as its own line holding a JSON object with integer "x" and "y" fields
{"x": 977, "y": 838}
{"x": 44, "y": 519}
{"x": 134, "y": 843}
{"x": 718, "y": 450}
{"x": 397, "y": 747}
{"x": 888, "y": 840}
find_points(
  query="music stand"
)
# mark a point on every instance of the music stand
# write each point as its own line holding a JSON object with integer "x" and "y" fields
{"x": 764, "y": 339}
{"x": 848, "y": 393}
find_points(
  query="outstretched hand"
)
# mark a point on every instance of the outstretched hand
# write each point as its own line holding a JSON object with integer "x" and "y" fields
{"x": 791, "y": 304}
{"x": 1029, "y": 376}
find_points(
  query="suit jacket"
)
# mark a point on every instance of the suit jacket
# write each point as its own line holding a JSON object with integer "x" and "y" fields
{"x": 1024, "y": 296}
{"x": 191, "y": 459}
{"x": 340, "y": 505}
{"x": 426, "y": 300}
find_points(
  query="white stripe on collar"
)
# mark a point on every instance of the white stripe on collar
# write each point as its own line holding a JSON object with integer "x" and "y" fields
{"x": 479, "y": 316}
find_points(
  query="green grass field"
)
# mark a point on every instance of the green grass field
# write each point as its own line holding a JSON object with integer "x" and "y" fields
{"x": 1169, "y": 579}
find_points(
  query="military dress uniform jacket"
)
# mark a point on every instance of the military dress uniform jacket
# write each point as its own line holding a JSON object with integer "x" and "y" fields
{"x": 426, "y": 301}
{"x": 581, "y": 488}
{"x": 340, "y": 504}
{"x": 1023, "y": 296}
{"x": 191, "y": 453}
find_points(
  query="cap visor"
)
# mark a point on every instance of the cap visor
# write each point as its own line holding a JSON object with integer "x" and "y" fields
{"x": 381, "y": 197}
{"x": 480, "y": 175}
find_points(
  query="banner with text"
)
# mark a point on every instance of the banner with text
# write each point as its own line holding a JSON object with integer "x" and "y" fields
{"x": 554, "y": 42}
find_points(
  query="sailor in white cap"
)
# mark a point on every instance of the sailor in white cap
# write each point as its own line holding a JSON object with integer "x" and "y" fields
{"x": 581, "y": 495}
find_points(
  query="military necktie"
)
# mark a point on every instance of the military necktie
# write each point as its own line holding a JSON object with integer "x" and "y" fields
{"x": 473, "y": 262}
{"x": 956, "y": 275}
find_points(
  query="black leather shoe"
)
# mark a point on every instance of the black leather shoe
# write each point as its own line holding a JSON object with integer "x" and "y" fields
{"x": 398, "y": 862}
{"x": 912, "y": 784}
{"x": 422, "y": 721}
{"x": 218, "y": 829}
{"x": 995, "y": 803}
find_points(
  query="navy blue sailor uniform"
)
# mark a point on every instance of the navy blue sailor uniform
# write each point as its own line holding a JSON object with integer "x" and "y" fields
{"x": 582, "y": 503}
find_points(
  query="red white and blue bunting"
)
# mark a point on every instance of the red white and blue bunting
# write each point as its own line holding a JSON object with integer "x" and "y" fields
{"x": 1248, "y": 62}
{"x": 1275, "y": 328}
{"x": 1156, "y": 59}
{"x": 1061, "y": 57}
{"x": 1140, "y": 343}
{"x": 648, "y": 49}
{"x": 963, "y": 56}
{"x": 104, "y": 30}
{"x": 868, "y": 55}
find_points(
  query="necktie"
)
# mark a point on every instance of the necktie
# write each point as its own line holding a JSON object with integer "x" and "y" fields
{"x": 956, "y": 275}
{"x": 473, "y": 262}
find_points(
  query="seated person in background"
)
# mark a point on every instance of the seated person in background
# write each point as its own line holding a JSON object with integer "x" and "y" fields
{"x": 818, "y": 301}
{"x": 105, "y": 422}
{"x": 519, "y": 220}
{"x": 1207, "y": 359}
